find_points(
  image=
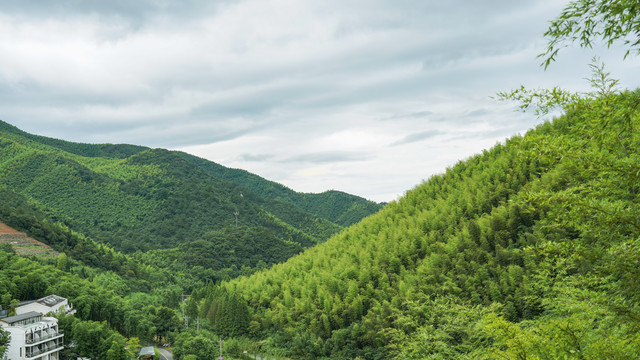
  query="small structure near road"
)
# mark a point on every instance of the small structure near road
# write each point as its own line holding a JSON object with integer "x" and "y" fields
{"x": 147, "y": 352}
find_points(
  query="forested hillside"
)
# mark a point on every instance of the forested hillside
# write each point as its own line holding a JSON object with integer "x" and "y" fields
{"x": 118, "y": 151}
{"x": 528, "y": 250}
{"x": 135, "y": 198}
{"x": 120, "y": 296}
{"x": 105, "y": 316}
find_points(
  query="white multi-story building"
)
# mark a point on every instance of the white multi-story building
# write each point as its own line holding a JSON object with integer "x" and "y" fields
{"x": 51, "y": 303}
{"x": 33, "y": 337}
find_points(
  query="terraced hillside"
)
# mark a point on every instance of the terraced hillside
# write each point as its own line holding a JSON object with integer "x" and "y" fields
{"x": 24, "y": 245}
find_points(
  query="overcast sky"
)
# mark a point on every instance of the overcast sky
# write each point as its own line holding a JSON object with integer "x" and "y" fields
{"x": 370, "y": 97}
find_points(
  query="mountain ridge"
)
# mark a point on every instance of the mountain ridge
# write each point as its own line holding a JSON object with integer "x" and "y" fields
{"x": 83, "y": 149}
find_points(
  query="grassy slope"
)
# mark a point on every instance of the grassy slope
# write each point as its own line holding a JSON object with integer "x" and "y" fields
{"x": 537, "y": 231}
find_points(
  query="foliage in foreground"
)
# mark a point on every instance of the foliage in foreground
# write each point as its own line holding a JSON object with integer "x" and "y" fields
{"x": 587, "y": 21}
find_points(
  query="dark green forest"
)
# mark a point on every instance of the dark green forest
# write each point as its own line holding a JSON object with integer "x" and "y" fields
{"x": 336, "y": 206}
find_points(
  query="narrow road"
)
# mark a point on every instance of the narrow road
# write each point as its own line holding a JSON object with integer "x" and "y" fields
{"x": 165, "y": 354}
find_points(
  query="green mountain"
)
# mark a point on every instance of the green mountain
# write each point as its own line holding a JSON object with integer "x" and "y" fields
{"x": 528, "y": 250}
{"x": 136, "y": 198}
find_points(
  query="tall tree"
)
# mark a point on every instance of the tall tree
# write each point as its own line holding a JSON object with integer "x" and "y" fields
{"x": 63, "y": 262}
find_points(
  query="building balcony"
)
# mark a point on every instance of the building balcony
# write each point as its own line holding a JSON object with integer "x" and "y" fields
{"x": 39, "y": 339}
{"x": 43, "y": 350}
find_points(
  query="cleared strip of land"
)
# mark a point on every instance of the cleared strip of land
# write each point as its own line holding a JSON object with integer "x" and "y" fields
{"x": 5, "y": 229}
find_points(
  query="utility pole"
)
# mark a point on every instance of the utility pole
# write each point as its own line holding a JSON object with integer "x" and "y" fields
{"x": 236, "y": 213}
{"x": 220, "y": 341}
{"x": 184, "y": 315}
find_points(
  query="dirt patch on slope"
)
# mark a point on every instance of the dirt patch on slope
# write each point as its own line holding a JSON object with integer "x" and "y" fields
{"x": 5, "y": 229}
{"x": 24, "y": 245}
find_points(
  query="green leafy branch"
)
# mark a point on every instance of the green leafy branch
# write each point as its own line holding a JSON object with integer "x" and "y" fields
{"x": 544, "y": 101}
{"x": 584, "y": 21}
{"x": 601, "y": 80}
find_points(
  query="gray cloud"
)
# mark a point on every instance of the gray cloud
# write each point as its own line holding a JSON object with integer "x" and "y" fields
{"x": 328, "y": 157}
{"x": 420, "y": 114}
{"x": 412, "y": 116}
{"x": 255, "y": 157}
{"x": 477, "y": 112}
{"x": 421, "y": 136}
{"x": 133, "y": 12}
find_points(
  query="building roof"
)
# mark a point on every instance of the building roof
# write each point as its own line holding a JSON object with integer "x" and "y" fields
{"x": 25, "y": 302}
{"x": 51, "y": 300}
{"x": 13, "y": 319}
